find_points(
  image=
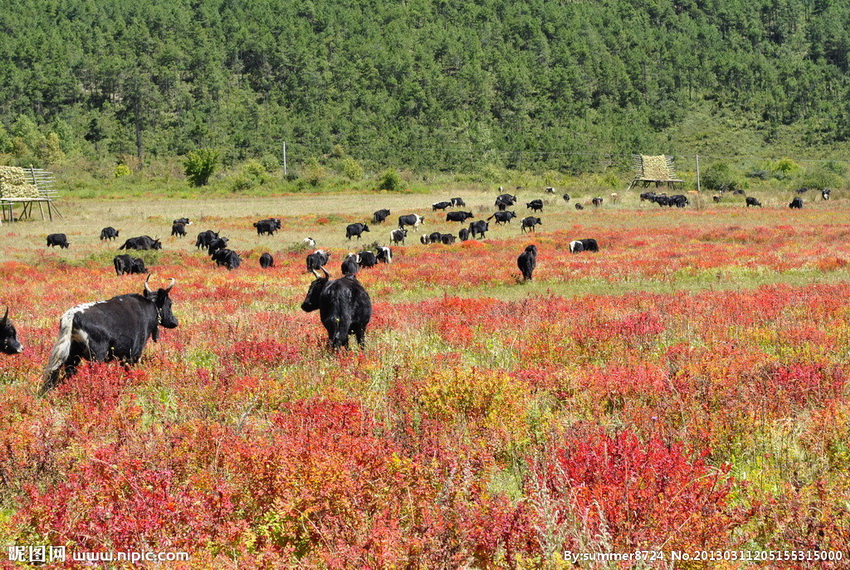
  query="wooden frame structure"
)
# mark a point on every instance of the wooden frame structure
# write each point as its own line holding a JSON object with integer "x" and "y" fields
{"x": 44, "y": 181}
{"x": 656, "y": 169}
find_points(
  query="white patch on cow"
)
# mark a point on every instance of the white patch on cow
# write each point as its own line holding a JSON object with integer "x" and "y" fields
{"x": 388, "y": 254}
{"x": 68, "y": 317}
{"x": 61, "y": 350}
{"x": 573, "y": 245}
{"x": 80, "y": 336}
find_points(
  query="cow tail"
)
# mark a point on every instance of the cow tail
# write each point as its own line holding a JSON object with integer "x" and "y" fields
{"x": 59, "y": 355}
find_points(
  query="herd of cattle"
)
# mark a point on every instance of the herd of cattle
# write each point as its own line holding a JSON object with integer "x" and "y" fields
{"x": 119, "y": 328}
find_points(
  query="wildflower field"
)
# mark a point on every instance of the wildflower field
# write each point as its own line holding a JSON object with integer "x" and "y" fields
{"x": 683, "y": 389}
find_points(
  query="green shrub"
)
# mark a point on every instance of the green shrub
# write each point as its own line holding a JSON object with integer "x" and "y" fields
{"x": 199, "y": 165}
{"x": 819, "y": 177}
{"x": 391, "y": 181}
{"x": 352, "y": 169}
{"x": 719, "y": 176}
{"x": 785, "y": 166}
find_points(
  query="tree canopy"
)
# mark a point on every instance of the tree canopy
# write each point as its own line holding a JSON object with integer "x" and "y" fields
{"x": 427, "y": 84}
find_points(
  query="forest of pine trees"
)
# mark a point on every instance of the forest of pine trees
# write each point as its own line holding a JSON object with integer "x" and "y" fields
{"x": 427, "y": 84}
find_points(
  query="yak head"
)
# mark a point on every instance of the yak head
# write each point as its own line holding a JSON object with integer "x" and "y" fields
{"x": 162, "y": 301}
{"x": 8, "y": 336}
{"x": 314, "y": 293}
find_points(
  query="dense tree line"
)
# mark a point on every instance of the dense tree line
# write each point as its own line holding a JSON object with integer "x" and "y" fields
{"x": 428, "y": 84}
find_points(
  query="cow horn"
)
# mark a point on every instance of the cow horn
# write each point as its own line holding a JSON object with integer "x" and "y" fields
{"x": 316, "y": 273}
{"x": 147, "y": 287}
{"x": 325, "y": 271}
{"x": 171, "y": 284}
{"x": 5, "y": 316}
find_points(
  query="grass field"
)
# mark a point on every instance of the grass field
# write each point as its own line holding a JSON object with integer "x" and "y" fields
{"x": 683, "y": 389}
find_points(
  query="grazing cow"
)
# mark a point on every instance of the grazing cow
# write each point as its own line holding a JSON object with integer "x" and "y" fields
{"x": 424, "y": 239}
{"x": 227, "y": 258}
{"x": 576, "y": 246}
{"x": 367, "y": 259}
{"x": 458, "y": 216}
{"x": 351, "y": 264}
{"x": 716, "y": 198}
{"x": 752, "y": 202}
{"x": 589, "y": 244}
{"x": 379, "y": 216}
{"x": 440, "y": 206}
{"x": 116, "y": 329}
{"x": 141, "y": 243}
{"x": 109, "y": 233}
{"x": 566, "y": 197}
{"x": 503, "y": 217}
{"x": 9, "y": 336}
{"x": 184, "y": 221}
{"x": 178, "y": 229}
{"x": 550, "y": 190}
{"x": 127, "y": 264}
{"x": 397, "y": 236}
{"x": 344, "y": 307}
{"x": 217, "y": 244}
{"x": 796, "y": 203}
{"x": 647, "y": 196}
{"x": 447, "y": 239}
{"x": 802, "y": 190}
{"x": 825, "y": 193}
{"x": 597, "y": 201}
{"x": 57, "y": 239}
{"x": 266, "y": 260}
{"x": 463, "y": 234}
{"x": 678, "y": 200}
{"x": 309, "y": 242}
{"x": 268, "y": 226}
{"x": 579, "y": 206}
{"x": 535, "y": 205}
{"x": 433, "y": 237}
{"x": 205, "y": 238}
{"x": 528, "y": 223}
{"x": 384, "y": 255}
{"x": 480, "y": 227}
{"x": 502, "y": 206}
{"x": 317, "y": 259}
{"x": 615, "y": 197}
{"x": 508, "y": 199}
{"x": 527, "y": 261}
{"x": 458, "y": 202}
{"x": 410, "y": 220}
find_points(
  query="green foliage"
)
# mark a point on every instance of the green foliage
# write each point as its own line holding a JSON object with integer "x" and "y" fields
{"x": 314, "y": 173}
{"x": 720, "y": 176}
{"x": 251, "y": 174}
{"x": 391, "y": 181}
{"x": 121, "y": 170}
{"x": 199, "y": 165}
{"x": 786, "y": 166}
{"x": 819, "y": 177}
{"x": 352, "y": 169}
{"x": 475, "y": 88}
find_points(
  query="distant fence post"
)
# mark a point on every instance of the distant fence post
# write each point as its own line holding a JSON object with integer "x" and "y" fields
{"x": 699, "y": 188}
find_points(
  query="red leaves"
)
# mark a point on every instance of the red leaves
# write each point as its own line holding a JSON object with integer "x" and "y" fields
{"x": 639, "y": 495}
{"x": 473, "y": 430}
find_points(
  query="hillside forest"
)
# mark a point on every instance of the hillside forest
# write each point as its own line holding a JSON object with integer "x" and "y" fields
{"x": 427, "y": 85}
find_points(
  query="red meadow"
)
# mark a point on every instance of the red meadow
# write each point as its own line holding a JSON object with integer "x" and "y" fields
{"x": 684, "y": 388}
